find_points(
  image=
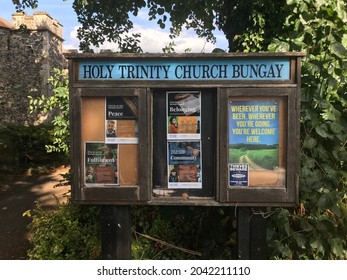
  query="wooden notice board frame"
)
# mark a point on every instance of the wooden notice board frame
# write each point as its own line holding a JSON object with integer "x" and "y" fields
{"x": 280, "y": 185}
{"x": 93, "y": 100}
{"x": 221, "y": 79}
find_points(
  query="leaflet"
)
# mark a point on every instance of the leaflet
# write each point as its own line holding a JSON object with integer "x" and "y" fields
{"x": 183, "y": 115}
{"x": 121, "y": 120}
{"x": 101, "y": 163}
{"x": 184, "y": 164}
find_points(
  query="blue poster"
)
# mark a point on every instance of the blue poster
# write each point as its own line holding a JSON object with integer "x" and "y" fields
{"x": 254, "y": 133}
{"x": 238, "y": 175}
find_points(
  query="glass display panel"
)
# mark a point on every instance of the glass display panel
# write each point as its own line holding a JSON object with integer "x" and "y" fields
{"x": 184, "y": 143}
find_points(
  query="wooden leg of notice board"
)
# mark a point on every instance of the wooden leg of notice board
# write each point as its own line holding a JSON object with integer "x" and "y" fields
{"x": 243, "y": 233}
{"x": 115, "y": 232}
{"x": 251, "y": 234}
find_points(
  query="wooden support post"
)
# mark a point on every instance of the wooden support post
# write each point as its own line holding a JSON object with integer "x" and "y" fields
{"x": 251, "y": 234}
{"x": 116, "y": 232}
{"x": 258, "y": 235}
{"x": 243, "y": 233}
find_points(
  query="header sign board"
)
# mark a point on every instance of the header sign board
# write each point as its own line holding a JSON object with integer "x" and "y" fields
{"x": 260, "y": 69}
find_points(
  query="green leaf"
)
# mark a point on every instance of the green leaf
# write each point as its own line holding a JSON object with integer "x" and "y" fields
{"x": 278, "y": 46}
{"x": 160, "y": 11}
{"x": 316, "y": 244}
{"x": 338, "y": 49}
{"x": 336, "y": 210}
{"x": 329, "y": 114}
{"x": 300, "y": 239}
{"x": 285, "y": 251}
{"x": 283, "y": 221}
{"x": 331, "y": 172}
{"x": 324, "y": 201}
{"x": 336, "y": 127}
{"x": 322, "y": 153}
{"x": 322, "y": 130}
{"x": 337, "y": 247}
{"x": 309, "y": 142}
{"x": 306, "y": 225}
{"x": 309, "y": 163}
{"x": 342, "y": 155}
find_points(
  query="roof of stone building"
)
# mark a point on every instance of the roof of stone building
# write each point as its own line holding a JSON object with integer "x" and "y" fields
{"x": 5, "y": 23}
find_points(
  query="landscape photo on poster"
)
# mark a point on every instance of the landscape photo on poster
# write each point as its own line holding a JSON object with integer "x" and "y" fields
{"x": 254, "y": 133}
{"x": 121, "y": 120}
{"x": 184, "y": 164}
{"x": 101, "y": 163}
{"x": 183, "y": 115}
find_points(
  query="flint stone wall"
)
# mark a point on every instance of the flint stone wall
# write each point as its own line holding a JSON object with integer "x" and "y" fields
{"x": 28, "y": 56}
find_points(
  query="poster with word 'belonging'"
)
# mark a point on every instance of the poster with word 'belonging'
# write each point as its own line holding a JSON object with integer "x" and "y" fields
{"x": 183, "y": 115}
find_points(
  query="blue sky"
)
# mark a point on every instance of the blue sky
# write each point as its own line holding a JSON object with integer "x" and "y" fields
{"x": 153, "y": 38}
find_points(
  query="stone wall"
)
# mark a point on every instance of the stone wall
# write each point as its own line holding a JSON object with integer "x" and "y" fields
{"x": 29, "y": 51}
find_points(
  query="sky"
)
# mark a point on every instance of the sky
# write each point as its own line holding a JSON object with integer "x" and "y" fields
{"x": 153, "y": 38}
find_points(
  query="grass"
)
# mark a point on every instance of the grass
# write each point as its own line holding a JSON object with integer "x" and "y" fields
{"x": 267, "y": 158}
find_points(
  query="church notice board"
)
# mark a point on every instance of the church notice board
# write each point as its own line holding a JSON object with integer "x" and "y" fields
{"x": 185, "y": 129}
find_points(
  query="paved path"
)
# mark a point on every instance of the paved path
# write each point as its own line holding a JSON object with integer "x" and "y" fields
{"x": 19, "y": 193}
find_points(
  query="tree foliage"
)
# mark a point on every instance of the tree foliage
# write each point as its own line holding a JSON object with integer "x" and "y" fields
{"x": 111, "y": 20}
{"x": 71, "y": 232}
{"x": 22, "y": 5}
{"x": 318, "y": 228}
{"x": 58, "y": 103}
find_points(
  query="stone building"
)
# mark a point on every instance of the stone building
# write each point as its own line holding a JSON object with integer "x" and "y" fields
{"x": 30, "y": 48}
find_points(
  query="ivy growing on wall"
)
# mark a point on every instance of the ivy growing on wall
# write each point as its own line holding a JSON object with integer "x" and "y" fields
{"x": 318, "y": 228}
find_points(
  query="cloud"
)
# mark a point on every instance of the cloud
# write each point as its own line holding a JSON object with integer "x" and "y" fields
{"x": 141, "y": 15}
{"x": 73, "y": 41}
{"x": 154, "y": 40}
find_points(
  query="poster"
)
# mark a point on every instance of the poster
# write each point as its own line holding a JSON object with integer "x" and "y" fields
{"x": 101, "y": 163}
{"x": 183, "y": 115}
{"x": 238, "y": 174}
{"x": 184, "y": 164}
{"x": 254, "y": 140}
{"x": 121, "y": 120}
